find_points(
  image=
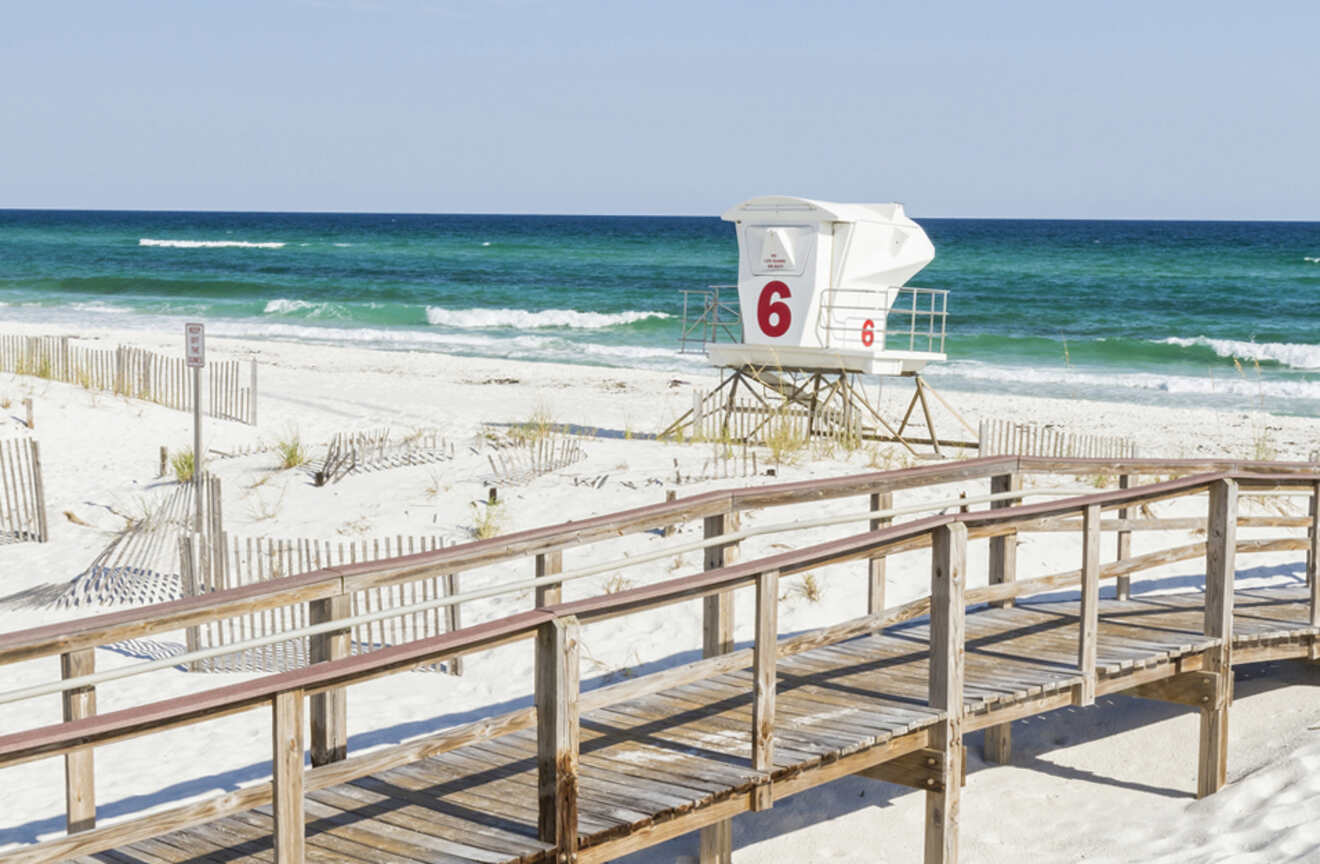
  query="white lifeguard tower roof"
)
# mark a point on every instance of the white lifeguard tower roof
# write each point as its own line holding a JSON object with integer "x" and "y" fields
{"x": 770, "y": 207}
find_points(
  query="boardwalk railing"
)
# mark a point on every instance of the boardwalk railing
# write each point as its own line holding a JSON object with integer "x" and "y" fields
{"x": 554, "y": 626}
{"x": 22, "y": 495}
{"x": 133, "y": 372}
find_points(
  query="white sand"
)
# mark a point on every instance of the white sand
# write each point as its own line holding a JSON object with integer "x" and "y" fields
{"x": 1109, "y": 783}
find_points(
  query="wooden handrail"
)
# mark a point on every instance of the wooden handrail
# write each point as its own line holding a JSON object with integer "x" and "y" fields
{"x": 143, "y": 621}
{"x": 63, "y": 737}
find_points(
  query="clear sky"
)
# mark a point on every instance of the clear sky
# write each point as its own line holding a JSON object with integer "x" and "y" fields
{"x": 1151, "y": 109}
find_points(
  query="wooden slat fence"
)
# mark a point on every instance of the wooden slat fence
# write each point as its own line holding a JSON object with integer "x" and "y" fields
{"x": 1005, "y": 438}
{"x": 22, "y": 495}
{"x": 133, "y": 372}
{"x": 375, "y": 450}
{"x": 231, "y": 562}
{"x": 523, "y": 462}
{"x": 141, "y": 564}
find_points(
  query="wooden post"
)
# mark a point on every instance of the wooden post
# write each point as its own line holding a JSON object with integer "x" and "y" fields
{"x": 547, "y": 564}
{"x": 947, "y": 645}
{"x": 79, "y": 785}
{"x": 1313, "y": 555}
{"x": 1003, "y": 549}
{"x": 557, "y": 662}
{"x": 252, "y": 396}
{"x": 763, "y": 674}
{"x": 668, "y": 530}
{"x": 875, "y": 595}
{"x": 38, "y": 493}
{"x": 329, "y": 710}
{"x": 998, "y": 746}
{"x": 27, "y": 403}
{"x": 1220, "y": 565}
{"x": 287, "y": 755}
{"x": 1088, "y": 625}
{"x": 164, "y": 460}
{"x": 453, "y": 618}
{"x": 1123, "y": 589}
{"x": 716, "y": 841}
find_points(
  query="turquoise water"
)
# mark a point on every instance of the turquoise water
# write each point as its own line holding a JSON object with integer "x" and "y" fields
{"x": 1154, "y": 312}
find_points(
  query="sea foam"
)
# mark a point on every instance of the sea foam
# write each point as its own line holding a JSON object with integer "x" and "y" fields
{"x": 210, "y": 244}
{"x": 1098, "y": 381}
{"x": 528, "y": 320}
{"x": 1296, "y": 356}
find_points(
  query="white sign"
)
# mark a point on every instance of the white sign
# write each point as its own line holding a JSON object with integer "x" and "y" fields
{"x": 195, "y": 341}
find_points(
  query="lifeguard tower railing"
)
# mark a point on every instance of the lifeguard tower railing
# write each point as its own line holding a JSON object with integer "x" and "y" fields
{"x": 915, "y": 320}
{"x": 706, "y": 317}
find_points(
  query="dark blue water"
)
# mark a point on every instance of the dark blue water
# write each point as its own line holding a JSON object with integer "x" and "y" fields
{"x": 1181, "y": 312}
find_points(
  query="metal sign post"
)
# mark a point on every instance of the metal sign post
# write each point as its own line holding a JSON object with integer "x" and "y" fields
{"x": 195, "y": 342}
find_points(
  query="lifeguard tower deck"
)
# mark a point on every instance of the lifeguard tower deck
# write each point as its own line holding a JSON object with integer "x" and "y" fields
{"x": 821, "y": 300}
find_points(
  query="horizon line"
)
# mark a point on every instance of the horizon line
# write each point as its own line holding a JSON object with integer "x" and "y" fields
{"x": 620, "y": 214}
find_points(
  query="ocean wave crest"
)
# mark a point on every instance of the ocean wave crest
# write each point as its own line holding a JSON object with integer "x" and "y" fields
{"x": 477, "y": 319}
{"x": 1289, "y": 354}
{"x": 1315, "y": 260}
{"x": 1092, "y": 382}
{"x": 284, "y": 306}
{"x": 210, "y": 244}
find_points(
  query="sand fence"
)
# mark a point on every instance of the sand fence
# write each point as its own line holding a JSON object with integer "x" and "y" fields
{"x": 22, "y": 496}
{"x": 141, "y": 564}
{"x": 233, "y": 562}
{"x": 134, "y": 372}
{"x": 377, "y": 450}
{"x": 519, "y": 462}
{"x": 1005, "y": 438}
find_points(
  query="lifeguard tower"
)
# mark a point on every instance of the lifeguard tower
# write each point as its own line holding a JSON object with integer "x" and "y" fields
{"x": 821, "y": 300}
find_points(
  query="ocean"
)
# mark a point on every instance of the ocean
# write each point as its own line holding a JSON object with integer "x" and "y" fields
{"x": 1222, "y": 314}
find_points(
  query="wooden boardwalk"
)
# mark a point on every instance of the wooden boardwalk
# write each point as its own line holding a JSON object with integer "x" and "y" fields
{"x": 667, "y": 763}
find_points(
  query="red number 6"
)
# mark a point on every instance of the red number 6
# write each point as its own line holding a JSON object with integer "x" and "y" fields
{"x": 868, "y": 333}
{"x": 771, "y": 303}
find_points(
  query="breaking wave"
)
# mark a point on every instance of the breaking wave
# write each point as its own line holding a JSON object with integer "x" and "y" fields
{"x": 1284, "y": 353}
{"x": 210, "y": 244}
{"x": 477, "y": 319}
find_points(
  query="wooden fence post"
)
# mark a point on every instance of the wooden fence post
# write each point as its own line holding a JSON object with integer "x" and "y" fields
{"x": 1313, "y": 557}
{"x": 79, "y": 785}
{"x": 763, "y": 674}
{"x": 1123, "y": 587}
{"x": 1003, "y": 549}
{"x": 1220, "y": 565}
{"x": 998, "y": 746}
{"x": 31, "y": 422}
{"x": 190, "y": 583}
{"x": 557, "y": 662}
{"x": 38, "y": 493}
{"x": 1088, "y": 625}
{"x": 547, "y": 564}
{"x": 329, "y": 709}
{"x": 453, "y": 618}
{"x": 252, "y": 396}
{"x": 668, "y": 530}
{"x": 947, "y": 646}
{"x": 287, "y": 756}
{"x": 716, "y": 841}
{"x": 875, "y": 595}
